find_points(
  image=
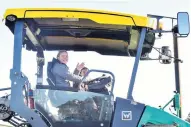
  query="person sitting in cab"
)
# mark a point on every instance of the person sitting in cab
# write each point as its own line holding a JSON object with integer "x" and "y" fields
{"x": 61, "y": 72}
{"x": 81, "y": 73}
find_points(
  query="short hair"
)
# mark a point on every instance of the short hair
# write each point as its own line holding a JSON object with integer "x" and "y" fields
{"x": 61, "y": 51}
{"x": 84, "y": 68}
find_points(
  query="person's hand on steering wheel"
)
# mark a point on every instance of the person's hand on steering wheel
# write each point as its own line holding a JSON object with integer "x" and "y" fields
{"x": 83, "y": 87}
{"x": 86, "y": 87}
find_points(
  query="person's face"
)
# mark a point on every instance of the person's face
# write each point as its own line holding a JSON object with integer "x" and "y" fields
{"x": 63, "y": 58}
{"x": 84, "y": 71}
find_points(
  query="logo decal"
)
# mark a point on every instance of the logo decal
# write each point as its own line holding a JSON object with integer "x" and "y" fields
{"x": 126, "y": 115}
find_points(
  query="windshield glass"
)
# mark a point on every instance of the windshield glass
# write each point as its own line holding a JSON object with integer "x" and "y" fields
{"x": 74, "y": 108}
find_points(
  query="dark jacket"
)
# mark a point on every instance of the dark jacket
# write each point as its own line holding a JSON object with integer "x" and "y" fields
{"x": 62, "y": 75}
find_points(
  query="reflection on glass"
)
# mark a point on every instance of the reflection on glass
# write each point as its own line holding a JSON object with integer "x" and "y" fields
{"x": 75, "y": 106}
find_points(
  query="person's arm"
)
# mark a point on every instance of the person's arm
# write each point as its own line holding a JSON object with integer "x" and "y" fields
{"x": 62, "y": 71}
{"x": 77, "y": 72}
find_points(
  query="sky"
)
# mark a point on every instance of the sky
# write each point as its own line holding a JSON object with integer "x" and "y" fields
{"x": 154, "y": 84}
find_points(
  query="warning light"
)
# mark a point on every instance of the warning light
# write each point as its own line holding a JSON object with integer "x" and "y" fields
{"x": 160, "y": 25}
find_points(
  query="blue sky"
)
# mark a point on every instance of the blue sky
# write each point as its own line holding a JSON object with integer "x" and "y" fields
{"x": 155, "y": 82}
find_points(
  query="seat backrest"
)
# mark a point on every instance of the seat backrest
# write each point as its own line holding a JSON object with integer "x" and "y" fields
{"x": 50, "y": 77}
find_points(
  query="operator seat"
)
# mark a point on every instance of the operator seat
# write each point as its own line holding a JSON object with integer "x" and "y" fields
{"x": 50, "y": 77}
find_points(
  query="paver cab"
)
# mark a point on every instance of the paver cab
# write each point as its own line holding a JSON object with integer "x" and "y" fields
{"x": 107, "y": 33}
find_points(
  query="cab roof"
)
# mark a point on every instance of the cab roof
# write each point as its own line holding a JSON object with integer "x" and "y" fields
{"x": 99, "y": 16}
{"x": 105, "y": 32}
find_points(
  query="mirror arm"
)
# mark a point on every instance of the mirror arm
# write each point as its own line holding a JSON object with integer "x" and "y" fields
{"x": 175, "y": 29}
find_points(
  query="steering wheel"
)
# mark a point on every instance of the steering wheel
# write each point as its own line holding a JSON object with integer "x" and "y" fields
{"x": 100, "y": 82}
{"x": 97, "y": 79}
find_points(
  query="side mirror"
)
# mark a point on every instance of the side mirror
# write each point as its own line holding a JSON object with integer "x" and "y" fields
{"x": 183, "y": 24}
